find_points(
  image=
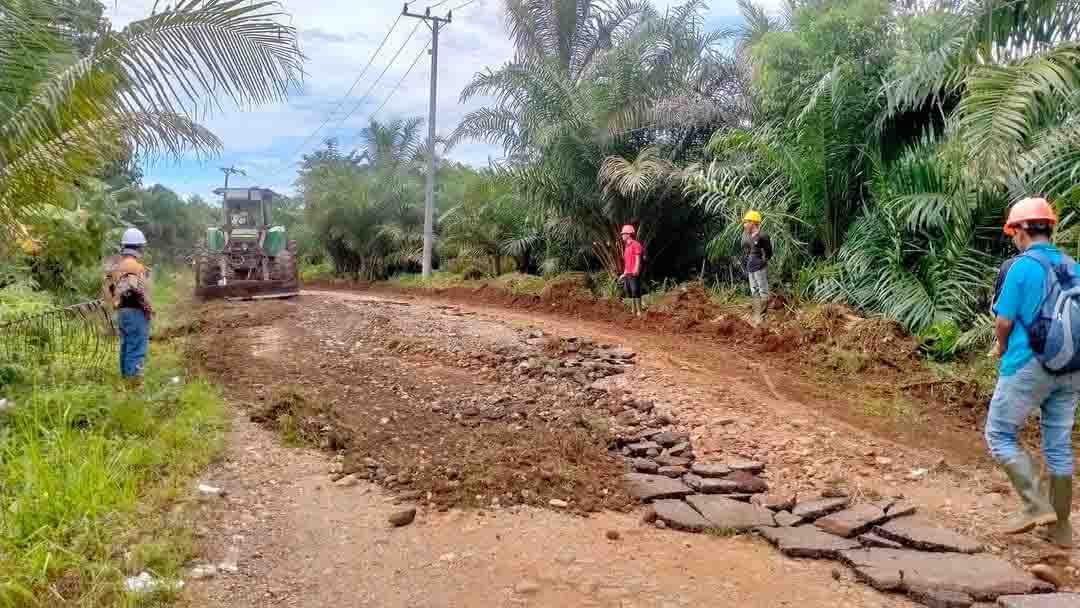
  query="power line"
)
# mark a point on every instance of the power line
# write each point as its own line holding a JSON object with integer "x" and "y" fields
{"x": 379, "y": 79}
{"x": 417, "y": 59}
{"x": 399, "y": 82}
{"x": 352, "y": 87}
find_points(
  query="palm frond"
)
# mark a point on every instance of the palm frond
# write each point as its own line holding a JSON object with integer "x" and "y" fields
{"x": 1004, "y": 104}
{"x": 145, "y": 86}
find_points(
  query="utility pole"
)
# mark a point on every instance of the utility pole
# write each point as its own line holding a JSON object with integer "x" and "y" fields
{"x": 231, "y": 171}
{"x": 429, "y": 196}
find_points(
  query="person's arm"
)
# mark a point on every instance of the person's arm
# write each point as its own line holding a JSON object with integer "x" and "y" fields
{"x": 1007, "y": 306}
{"x": 766, "y": 247}
{"x": 635, "y": 263}
{"x": 148, "y": 306}
{"x": 107, "y": 290}
{"x": 1002, "y": 329}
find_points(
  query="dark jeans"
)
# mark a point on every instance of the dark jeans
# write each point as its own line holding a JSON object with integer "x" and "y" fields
{"x": 134, "y": 341}
{"x": 632, "y": 286}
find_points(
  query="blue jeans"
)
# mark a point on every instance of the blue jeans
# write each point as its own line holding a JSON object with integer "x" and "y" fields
{"x": 1016, "y": 396}
{"x": 134, "y": 341}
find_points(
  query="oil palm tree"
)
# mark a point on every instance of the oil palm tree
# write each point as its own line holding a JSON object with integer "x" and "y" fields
{"x": 395, "y": 145}
{"x": 1011, "y": 72}
{"x": 139, "y": 90}
{"x": 591, "y": 80}
{"x": 486, "y": 223}
{"x": 570, "y": 35}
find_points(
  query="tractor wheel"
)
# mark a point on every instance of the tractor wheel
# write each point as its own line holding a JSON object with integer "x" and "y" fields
{"x": 284, "y": 267}
{"x": 206, "y": 270}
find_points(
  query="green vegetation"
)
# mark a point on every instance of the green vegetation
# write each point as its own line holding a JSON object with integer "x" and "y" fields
{"x": 82, "y": 103}
{"x": 882, "y": 140}
{"x": 87, "y": 471}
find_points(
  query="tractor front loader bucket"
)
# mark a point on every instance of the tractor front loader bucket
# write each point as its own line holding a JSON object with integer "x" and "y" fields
{"x": 249, "y": 290}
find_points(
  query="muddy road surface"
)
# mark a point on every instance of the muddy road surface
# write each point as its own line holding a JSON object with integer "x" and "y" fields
{"x": 502, "y": 430}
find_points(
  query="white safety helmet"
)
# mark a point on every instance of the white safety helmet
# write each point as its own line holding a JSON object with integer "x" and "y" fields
{"x": 133, "y": 237}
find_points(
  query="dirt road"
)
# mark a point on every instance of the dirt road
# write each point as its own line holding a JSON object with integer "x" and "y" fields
{"x": 443, "y": 407}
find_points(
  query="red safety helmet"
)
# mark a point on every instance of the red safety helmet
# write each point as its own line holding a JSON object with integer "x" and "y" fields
{"x": 1034, "y": 209}
{"x": 627, "y": 229}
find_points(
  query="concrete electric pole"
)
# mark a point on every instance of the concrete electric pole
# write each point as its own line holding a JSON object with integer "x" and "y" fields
{"x": 429, "y": 196}
{"x": 231, "y": 171}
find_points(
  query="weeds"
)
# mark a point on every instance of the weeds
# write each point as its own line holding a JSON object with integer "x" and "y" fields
{"x": 895, "y": 408}
{"x": 847, "y": 361}
{"x": 317, "y": 272}
{"x": 86, "y": 471}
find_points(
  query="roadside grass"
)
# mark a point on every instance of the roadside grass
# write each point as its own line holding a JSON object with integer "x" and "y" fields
{"x": 90, "y": 473}
{"x": 317, "y": 272}
{"x": 438, "y": 280}
{"x": 897, "y": 408}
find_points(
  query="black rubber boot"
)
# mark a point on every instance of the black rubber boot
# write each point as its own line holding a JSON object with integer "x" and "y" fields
{"x": 1035, "y": 509}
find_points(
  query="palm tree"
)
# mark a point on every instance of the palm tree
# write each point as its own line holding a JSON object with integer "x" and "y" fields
{"x": 487, "y": 221}
{"x": 395, "y": 146}
{"x": 62, "y": 117}
{"x": 1011, "y": 72}
{"x": 570, "y": 35}
{"x": 594, "y": 79}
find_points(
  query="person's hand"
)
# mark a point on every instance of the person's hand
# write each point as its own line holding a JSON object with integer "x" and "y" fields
{"x": 622, "y": 276}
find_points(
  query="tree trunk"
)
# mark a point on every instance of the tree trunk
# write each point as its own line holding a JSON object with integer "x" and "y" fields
{"x": 496, "y": 263}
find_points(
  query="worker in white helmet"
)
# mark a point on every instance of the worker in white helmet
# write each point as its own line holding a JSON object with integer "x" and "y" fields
{"x": 127, "y": 290}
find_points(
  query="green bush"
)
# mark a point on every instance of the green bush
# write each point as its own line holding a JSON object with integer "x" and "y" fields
{"x": 939, "y": 341}
{"x": 317, "y": 272}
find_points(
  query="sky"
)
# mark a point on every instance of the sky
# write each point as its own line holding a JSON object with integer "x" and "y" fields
{"x": 338, "y": 37}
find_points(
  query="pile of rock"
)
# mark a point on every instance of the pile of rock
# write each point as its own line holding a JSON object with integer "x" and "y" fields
{"x": 882, "y": 541}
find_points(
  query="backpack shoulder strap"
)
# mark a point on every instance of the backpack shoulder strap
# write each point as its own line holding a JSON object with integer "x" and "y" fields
{"x": 1002, "y": 273}
{"x": 1048, "y": 284}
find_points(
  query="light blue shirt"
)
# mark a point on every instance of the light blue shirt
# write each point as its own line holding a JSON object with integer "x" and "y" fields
{"x": 1018, "y": 301}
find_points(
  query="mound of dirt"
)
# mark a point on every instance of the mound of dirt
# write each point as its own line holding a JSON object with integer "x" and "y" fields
{"x": 236, "y": 315}
{"x": 729, "y": 326}
{"x": 881, "y": 337}
{"x": 573, "y": 285}
{"x": 422, "y": 413}
{"x": 686, "y": 308}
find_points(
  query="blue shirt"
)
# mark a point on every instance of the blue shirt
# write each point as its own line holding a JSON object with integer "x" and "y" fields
{"x": 1018, "y": 300}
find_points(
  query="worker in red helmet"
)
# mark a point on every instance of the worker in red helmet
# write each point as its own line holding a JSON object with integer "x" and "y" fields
{"x": 1024, "y": 385}
{"x": 631, "y": 268}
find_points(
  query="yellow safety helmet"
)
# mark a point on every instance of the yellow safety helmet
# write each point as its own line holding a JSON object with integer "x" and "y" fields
{"x": 752, "y": 216}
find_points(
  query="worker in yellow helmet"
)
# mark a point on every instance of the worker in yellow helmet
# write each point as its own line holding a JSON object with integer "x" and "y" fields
{"x": 758, "y": 250}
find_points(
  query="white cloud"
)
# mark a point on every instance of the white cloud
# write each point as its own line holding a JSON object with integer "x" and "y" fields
{"x": 338, "y": 39}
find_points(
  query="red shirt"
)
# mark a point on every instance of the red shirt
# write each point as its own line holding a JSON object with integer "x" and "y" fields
{"x": 631, "y": 256}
